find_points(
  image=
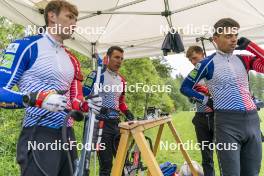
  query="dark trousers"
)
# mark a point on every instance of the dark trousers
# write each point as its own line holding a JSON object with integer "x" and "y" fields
{"x": 39, "y": 161}
{"x": 110, "y": 138}
{"x": 204, "y": 128}
{"x": 239, "y": 136}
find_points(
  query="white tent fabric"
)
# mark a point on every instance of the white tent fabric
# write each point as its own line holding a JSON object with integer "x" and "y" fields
{"x": 137, "y": 25}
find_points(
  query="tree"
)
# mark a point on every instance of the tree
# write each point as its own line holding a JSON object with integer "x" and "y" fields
{"x": 162, "y": 67}
{"x": 9, "y": 32}
{"x": 181, "y": 102}
{"x": 259, "y": 86}
{"x": 256, "y": 82}
{"x": 142, "y": 73}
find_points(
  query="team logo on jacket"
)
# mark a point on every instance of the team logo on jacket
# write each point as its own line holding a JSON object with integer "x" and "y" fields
{"x": 92, "y": 75}
{"x": 7, "y": 60}
{"x": 12, "y": 48}
{"x": 89, "y": 82}
{"x": 193, "y": 74}
{"x": 198, "y": 66}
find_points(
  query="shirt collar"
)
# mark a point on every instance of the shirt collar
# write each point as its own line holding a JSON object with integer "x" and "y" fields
{"x": 224, "y": 54}
{"x": 53, "y": 41}
{"x": 111, "y": 72}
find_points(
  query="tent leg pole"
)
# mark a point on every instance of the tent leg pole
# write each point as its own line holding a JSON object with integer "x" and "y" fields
{"x": 93, "y": 54}
{"x": 202, "y": 40}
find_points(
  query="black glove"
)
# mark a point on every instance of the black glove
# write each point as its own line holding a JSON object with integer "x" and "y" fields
{"x": 192, "y": 100}
{"x": 129, "y": 115}
{"x": 76, "y": 115}
{"x": 242, "y": 43}
{"x": 210, "y": 103}
{"x": 259, "y": 104}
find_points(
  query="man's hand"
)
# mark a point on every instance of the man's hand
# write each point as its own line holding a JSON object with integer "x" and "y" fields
{"x": 191, "y": 100}
{"x": 242, "y": 43}
{"x": 259, "y": 104}
{"x": 201, "y": 89}
{"x": 49, "y": 100}
{"x": 210, "y": 103}
{"x": 129, "y": 115}
{"x": 95, "y": 104}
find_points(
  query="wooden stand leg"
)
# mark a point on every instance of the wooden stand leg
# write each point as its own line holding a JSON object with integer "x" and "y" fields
{"x": 157, "y": 142}
{"x": 121, "y": 153}
{"x": 184, "y": 153}
{"x": 147, "y": 154}
{"x": 156, "y": 146}
{"x": 136, "y": 130}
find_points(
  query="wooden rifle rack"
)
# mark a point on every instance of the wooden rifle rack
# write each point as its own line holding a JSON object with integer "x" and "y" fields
{"x": 135, "y": 130}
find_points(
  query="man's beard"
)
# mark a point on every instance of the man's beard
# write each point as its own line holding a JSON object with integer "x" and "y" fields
{"x": 66, "y": 36}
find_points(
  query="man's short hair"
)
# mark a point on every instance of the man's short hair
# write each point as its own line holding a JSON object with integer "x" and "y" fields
{"x": 225, "y": 23}
{"x": 112, "y": 49}
{"x": 192, "y": 49}
{"x": 56, "y": 6}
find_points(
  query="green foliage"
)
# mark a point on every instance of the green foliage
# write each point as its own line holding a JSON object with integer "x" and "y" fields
{"x": 180, "y": 101}
{"x": 142, "y": 72}
{"x": 162, "y": 67}
{"x": 10, "y": 125}
{"x": 257, "y": 84}
{"x": 9, "y": 32}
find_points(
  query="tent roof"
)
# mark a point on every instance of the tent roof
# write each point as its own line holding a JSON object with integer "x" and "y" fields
{"x": 136, "y": 25}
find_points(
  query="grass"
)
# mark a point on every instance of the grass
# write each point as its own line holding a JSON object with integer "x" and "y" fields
{"x": 10, "y": 126}
{"x": 183, "y": 124}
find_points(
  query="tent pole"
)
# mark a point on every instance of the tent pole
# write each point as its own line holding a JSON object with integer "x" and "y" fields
{"x": 192, "y": 6}
{"x": 95, "y": 13}
{"x": 257, "y": 10}
{"x": 202, "y": 40}
{"x": 167, "y": 13}
{"x": 27, "y": 6}
{"x": 17, "y": 11}
{"x": 93, "y": 54}
{"x": 120, "y": 13}
{"x": 112, "y": 10}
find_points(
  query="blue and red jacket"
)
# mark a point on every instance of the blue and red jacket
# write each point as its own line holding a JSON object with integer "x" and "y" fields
{"x": 112, "y": 90}
{"x": 226, "y": 76}
{"x": 39, "y": 63}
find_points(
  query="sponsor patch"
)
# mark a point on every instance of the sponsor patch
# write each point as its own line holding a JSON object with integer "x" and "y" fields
{"x": 92, "y": 75}
{"x": 12, "y": 48}
{"x": 8, "y": 105}
{"x": 5, "y": 71}
{"x": 193, "y": 74}
{"x": 198, "y": 66}
{"x": 89, "y": 82}
{"x": 7, "y": 61}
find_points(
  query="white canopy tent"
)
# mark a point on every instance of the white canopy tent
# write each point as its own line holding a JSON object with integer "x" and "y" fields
{"x": 139, "y": 26}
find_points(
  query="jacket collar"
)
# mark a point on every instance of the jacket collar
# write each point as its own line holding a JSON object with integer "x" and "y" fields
{"x": 53, "y": 42}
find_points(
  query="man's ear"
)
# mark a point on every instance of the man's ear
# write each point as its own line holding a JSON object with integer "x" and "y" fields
{"x": 106, "y": 59}
{"x": 215, "y": 38}
{"x": 52, "y": 17}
